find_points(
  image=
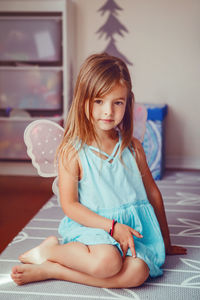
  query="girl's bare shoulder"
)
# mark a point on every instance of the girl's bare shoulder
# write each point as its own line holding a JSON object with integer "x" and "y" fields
{"x": 140, "y": 157}
{"x": 139, "y": 150}
{"x": 69, "y": 162}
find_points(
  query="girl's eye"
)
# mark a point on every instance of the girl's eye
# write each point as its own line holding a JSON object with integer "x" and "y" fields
{"x": 98, "y": 101}
{"x": 119, "y": 102}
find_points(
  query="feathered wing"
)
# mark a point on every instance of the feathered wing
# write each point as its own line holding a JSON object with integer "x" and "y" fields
{"x": 139, "y": 121}
{"x": 42, "y": 138}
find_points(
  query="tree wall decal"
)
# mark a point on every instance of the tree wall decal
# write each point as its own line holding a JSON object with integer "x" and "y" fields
{"x": 112, "y": 27}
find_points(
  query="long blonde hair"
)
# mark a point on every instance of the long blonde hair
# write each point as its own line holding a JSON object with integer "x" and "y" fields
{"x": 98, "y": 75}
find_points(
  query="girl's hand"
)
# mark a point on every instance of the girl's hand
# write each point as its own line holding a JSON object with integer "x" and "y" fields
{"x": 175, "y": 250}
{"x": 123, "y": 234}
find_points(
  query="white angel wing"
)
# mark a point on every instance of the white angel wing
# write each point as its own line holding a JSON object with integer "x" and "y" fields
{"x": 42, "y": 138}
{"x": 139, "y": 121}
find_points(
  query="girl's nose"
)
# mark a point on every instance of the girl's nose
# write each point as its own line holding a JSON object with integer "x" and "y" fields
{"x": 108, "y": 110}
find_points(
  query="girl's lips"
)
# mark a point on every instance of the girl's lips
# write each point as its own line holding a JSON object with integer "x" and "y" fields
{"x": 107, "y": 120}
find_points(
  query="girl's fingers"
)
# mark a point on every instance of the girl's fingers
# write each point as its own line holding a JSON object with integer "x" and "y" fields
{"x": 176, "y": 250}
{"x": 124, "y": 249}
{"x": 127, "y": 241}
{"x": 132, "y": 247}
{"x": 136, "y": 233}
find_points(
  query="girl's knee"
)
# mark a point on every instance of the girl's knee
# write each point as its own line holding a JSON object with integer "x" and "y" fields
{"x": 107, "y": 263}
{"x": 139, "y": 275}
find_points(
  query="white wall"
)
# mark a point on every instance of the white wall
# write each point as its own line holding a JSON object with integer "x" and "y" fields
{"x": 163, "y": 43}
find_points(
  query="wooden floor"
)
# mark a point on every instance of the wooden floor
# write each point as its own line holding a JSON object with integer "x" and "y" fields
{"x": 21, "y": 198}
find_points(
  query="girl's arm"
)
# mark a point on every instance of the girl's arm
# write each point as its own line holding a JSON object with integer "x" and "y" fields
{"x": 155, "y": 198}
{"x": 68, "y": 190}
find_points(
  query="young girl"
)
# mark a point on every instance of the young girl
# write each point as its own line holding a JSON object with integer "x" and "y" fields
{"x": 114, "y": 210}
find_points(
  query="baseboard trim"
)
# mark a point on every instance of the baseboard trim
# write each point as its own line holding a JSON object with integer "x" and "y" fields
{"x": 179, "y": 162}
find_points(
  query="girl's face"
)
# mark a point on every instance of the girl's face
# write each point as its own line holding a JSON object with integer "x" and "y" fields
{"x": 108, "y": 111}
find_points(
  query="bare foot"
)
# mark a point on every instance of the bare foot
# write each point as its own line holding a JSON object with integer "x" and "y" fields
{"x": 39, "y": 254}
{"x": 23, "y": 274}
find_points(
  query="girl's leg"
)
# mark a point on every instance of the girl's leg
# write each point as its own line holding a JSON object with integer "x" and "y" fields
{"x": 97, "y": 261}
{"x": 132, "y": 274}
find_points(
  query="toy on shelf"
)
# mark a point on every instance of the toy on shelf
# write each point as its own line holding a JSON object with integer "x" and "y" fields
{"x": 35, "y": 39}
{"x": 32, "y": 90}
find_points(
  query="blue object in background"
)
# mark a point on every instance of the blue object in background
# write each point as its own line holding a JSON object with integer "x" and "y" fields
{"x": 154, "y": 138}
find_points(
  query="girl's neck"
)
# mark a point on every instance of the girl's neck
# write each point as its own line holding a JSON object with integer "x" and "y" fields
{"x": 106, "y": 140}
{"x": 111, "y": 135}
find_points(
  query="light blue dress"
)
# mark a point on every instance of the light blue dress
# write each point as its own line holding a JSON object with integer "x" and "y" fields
{"x": 116, "y": 191}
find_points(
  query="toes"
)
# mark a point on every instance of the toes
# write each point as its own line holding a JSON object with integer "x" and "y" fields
{"x": 12, "y": 276}
{"x": 22, "y": 259}
{"x": 16, "y": 269}
{"x": 16, "y": 274}
{"x": 16, "y": 278}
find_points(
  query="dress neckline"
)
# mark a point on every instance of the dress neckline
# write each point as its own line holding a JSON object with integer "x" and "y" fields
{"x": 110, "y": 157}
